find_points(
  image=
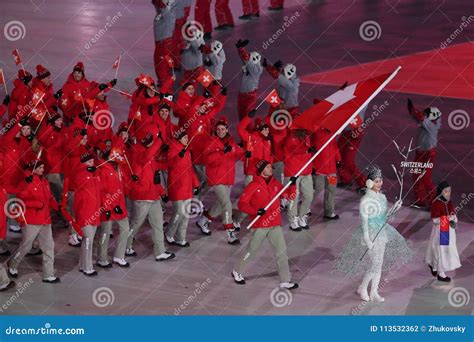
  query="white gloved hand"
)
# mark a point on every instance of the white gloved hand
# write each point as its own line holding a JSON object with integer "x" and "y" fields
{"x": 396, "y": 207}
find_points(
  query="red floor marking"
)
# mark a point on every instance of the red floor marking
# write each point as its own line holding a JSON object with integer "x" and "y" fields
{"x": 443, "y": 72}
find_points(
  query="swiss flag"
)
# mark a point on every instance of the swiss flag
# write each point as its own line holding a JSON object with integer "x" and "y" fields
{"x": 273, "y": 99}
{"x": 37, "y": 97}
{"x": 16, "y": 57}
{"x": 356, "y": 122}
{"x": 2, "y": 77}
{"x": 116, "y": 63}
{"x": 116, "y": 154}
{"x": 205, "y": 78}
{"x": 334, "y": 112}
{"x": 38, "y": 113}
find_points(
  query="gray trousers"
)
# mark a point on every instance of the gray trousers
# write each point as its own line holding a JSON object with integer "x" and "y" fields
{"x": 11, "y": 221}
{"x": 277, "y": 240}
{"x": 86, "y": 247}
{"x": 240, "y": 216}
{"x": 201, "y": 175}
{"x": 223, "y": 205}
{"x": 56, "y": 185}
{"x": 179, "y": 221}
{"x": 321, "y": 182}
{"x": 151, "y": 210}
{"x": 4, "y": 280}
{"x": 70, "y": 208}
{"x": 104, "y": 237}
{"x": 3, "y": 246}
{"x": 46, "y": 243}
{"x": 278, "y": 171}
{"x": 304, "y": 187}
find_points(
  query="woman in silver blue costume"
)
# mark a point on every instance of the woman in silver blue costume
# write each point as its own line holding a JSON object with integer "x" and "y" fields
{"x": 386, "y": 247}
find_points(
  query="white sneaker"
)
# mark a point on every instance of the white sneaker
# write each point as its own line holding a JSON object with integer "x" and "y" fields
{"x": 74, "y": 240}
{"x": 236, "y": 226}
{"x": 13, "y": 272}
{"x": 302, "y": 221}
{"x": 374, "y": 296}
{"x": 203, "y": 223}
{"x": 232, "y": 238}
{"x": 165, "y": 256}
{"x": 170, "y": 240}
{"x": 51, "y": 280}
{"x": 15, "y": 228}
{"x": 289, "y": 286}
{"x": 104, "y": 264}
{"x": 238, "y": 277}
{"x": 121, "y": 262}
{"x": 130, "y": 252}
{"x": 295, "y": 226}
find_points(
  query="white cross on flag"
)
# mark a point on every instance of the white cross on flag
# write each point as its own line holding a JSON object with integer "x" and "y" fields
{"x": 16, "y": 57}
{"x": 116, "y": 63}
{"x": 273, "y": 99}
{"x": 116, "y": 155}
{"x": 205, "y": 78}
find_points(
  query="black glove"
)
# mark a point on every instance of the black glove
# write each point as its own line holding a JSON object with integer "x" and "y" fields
{"x": 278, "y": 64}
{"x": 410, "y": 105}
{"x": 59, "y": 208}
{"x": 102, "y": 86}
{"x": 113, "y": 83}
{"x": 182, "y": 152}
{"x": 91, "y": 168}
{"x": 293, "y": 180}
{"x": 135, "y": 178}
{"x": 312, "y": 149}
{"x": 261, "y": 212}
{"x": 157, "y": 177}
{"x": 165, "y": 199}
{"x": 31, "y": 137}
{"x": 224, "y": 91}
{"x": 227, "y": 148}
{"x": 252, "y": 113}
{"x": 118, "y": 210}
{"x": 241, "y": 144}
{"x": 58, "y": 94}
{"x": 108, "y": 214}
{"x": 248, "y": 154}
{"x": 196, "y": 191}
{"x": 207, "y": 62}
{"x": 215, "y": 82}
{"x": 201, "y": 47}
{"x": 207, "y": 94}
{"x": 338, "y": 164}
{"x": 165, "y": 147}
{"x": 83, "y": 131}
{"x": 6, "y": 100}
{"x": 241, "y": 43}
{"x": 264, "y": 63}
{"x": 29, "y": 179}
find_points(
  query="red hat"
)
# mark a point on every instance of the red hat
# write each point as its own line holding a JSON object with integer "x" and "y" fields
{"x": 222, "y": 122}
{"x": 260, "y": 124}
{"x": 123, "y": 127}
{"x": 79, "y": 67}
{"x": 165, "y": 104}
{"x": 146, "y": 80}
{"x": 42, "y": 72}
{"x": 34, "y": 164}
{"x": 261, "y": 165}
{"x": 24, "y": 76}
{"x": 86, "y": 157}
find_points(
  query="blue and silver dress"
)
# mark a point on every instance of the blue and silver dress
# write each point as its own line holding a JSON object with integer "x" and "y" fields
{"x": 373, "y": 215}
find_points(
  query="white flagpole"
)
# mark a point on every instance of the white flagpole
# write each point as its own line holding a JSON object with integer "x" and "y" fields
{"x": 118, "y": 66}
{"x": 371, "y": 97}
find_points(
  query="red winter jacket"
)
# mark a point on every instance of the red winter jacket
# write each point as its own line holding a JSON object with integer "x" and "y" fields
{"x": 181, "y": 177}
{"x": 143, "y": 165}
{"x": 257, "y": 195}
{"x": 100, "y": 131}
{"x": 125, "y": 150}
{"x": 259, "y": 146}
{"x": 53, "y": 142}
{"x": 220, "y": 166}
{"x": 48, "y": 101}
{"x": 325, "y": 162}
{"x": 73, "y": 152}
{"x": 88, "y": 198}
{"x": 21, "y": 96}
{"x": 165, "y": 130}
{"x": 74, "y": 95}
{"x": 38, "y": 201}
{"x": 296, "y": 155}
{"x": 3, "y": 216}
{"x": 182, "y": 107}
{"x": 112, "y": 192}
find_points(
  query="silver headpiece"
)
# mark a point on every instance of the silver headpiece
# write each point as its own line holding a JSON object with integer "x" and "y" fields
{"x": 374, "y": 172}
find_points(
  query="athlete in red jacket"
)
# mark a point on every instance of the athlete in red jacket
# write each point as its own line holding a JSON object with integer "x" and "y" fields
{"x": 146, "y": 193}
{"x": 253, "y": 201}
{"x": 182, "y": 185}
{"x": 20, "y": 99}
{"x": 221, "y": 155}
{"x": 36, "y": 201}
